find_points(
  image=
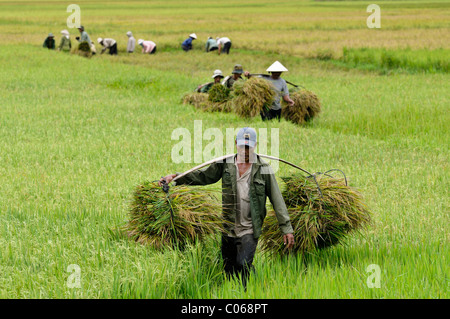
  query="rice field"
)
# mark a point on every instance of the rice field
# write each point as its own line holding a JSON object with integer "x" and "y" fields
{"x": 77, "y": 136}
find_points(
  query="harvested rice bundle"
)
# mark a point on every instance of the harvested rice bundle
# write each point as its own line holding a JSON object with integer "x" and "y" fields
{"x": 218, "y": 93}
{"x": 237, "y": 88}
{"x": 201, "y": 101}
{"x": 252, "y": 96}
{"x": 318, "y": 221}
{"x": 196, "y": 214}
{"x": 306, "y": 106}
{"x": 225, "y": 107}
{"x": 83, "y": 49}
{"x": 195, "y": 98}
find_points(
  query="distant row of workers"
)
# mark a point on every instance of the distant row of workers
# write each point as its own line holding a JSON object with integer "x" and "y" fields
{"x": 106, "y": 43}
{"x": 222, "y": 44}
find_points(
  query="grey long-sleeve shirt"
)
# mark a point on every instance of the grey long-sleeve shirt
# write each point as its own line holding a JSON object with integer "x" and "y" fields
{"x": 131, "y": 42}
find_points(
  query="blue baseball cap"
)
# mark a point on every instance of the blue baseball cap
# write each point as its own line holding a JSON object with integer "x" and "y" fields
{"x": 246, "y": 137}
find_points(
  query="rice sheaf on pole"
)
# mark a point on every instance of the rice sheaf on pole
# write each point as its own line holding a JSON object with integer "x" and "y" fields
{"x": 323, "y": 211}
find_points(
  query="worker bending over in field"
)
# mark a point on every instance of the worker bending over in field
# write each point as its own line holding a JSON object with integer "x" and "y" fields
{"x": 281, "y": 91}
{"x": 217, "y": 76}
{"x": 224, "y": 44}
{"x": 147, "y": 46}
{"x": 211, "y": 45}
{"x": 108, "y": 43}
{"x": 246, "y": 182}
{"x": 187, "y": 44}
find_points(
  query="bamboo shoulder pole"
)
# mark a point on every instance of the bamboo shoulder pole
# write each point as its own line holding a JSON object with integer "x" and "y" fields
{"x": 261, "y": 155}
{"x": 218, "y": 159}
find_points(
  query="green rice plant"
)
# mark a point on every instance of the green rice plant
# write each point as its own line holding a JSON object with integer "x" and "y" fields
{"x": 185, "y": 215}
{"x": 252, "y": 96}
{"x": 306, "y": 106}
{"x": 322, "y": 215}
{"x": 408, "y": 60}
{"x": 218, "y": 93}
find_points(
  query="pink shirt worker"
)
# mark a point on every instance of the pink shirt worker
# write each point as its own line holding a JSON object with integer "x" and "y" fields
{"x": 147, "y": 46}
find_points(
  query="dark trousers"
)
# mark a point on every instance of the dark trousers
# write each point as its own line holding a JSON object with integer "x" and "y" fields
{"x": 271, "y": 114}
{"x": 113, "y": 49}
{"x": 237, "y": 255}
{"x": 227, "y": 47}
{"x": 154, "y": 50}
{"x": 186, "y": 47}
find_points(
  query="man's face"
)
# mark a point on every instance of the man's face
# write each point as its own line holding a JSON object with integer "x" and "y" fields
{"x": 217, "y": 79}
{"x": 245, "y": 153}
{"x": 276, "y": 75}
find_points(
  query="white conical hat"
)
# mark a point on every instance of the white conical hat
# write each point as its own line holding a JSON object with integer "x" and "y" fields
{"x": 99, "y": 40}
{"x": 193, "y": 35}
{"x": 276, "y": 67}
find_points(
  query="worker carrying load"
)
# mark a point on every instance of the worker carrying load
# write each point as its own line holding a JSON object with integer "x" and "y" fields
{"x": 236, "y": 75}
{"x": 265, "y": 95}
{"x": 281, "y": 91}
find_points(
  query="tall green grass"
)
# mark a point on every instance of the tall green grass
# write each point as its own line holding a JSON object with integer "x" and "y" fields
{"x": 408, "y": 60}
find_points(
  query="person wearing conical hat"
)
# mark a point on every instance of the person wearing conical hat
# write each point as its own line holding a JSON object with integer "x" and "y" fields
{"x": 187, "y": 44}
{"x": 236, "y": 75}
{"x": 217, "y": 76}
{"x": 281, "y": 91}
{"x": 49, "y": 42}
{"x": 65, "y": 45}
